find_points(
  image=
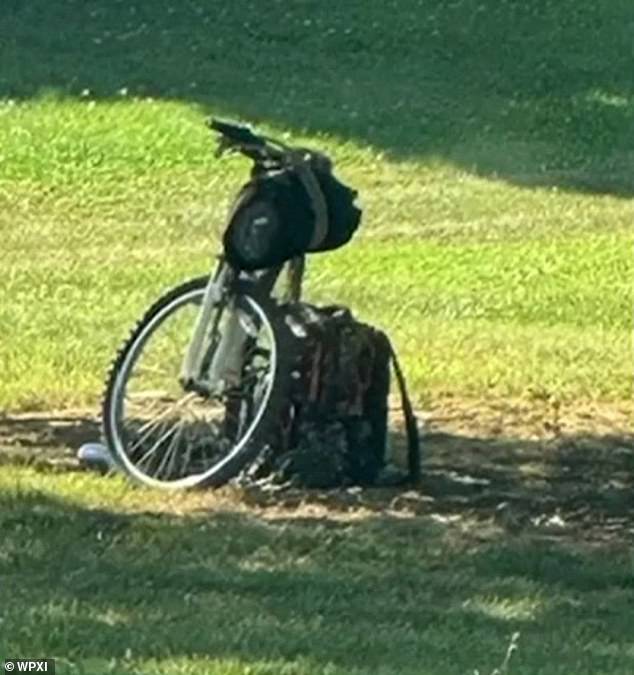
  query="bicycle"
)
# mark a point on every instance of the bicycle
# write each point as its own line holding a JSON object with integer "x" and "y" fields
{"x": 199, "y": 385}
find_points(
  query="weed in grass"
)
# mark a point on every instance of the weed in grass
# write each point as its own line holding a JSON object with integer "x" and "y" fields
{"x": 503, "y": 669}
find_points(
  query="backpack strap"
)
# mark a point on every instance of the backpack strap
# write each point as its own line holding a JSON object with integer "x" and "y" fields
{"x": 411, "y": 425}
{"x": 317, "y": 199}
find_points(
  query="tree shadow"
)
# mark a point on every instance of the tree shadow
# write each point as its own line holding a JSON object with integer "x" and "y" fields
{"x": 571, "y": 487}
{"x": 532, "y": 94}
{"x": 46, "y": 439}
{"x": 578, "y": 484}
{"x": 502, "y": 534}
{"x": 568, "y": 484}
{"x": 382, "y": 594}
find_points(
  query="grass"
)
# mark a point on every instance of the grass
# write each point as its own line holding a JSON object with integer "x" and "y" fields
{"x": 493, "y": 153}
{"x": 492, "y": 142}
{"x": 490, "y": 272}
{"x": 127, "y": 581}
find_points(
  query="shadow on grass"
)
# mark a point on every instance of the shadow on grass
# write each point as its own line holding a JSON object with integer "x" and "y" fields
{"x": 48, "y": 440}
{"x": 575, "y": 484}
{"x": 585, "y": 479}
{"x": 48, "y": 431}
{"x": 574, "y": 487}
{"x": 537, "y": 94}
{"x": 382, "y": 594}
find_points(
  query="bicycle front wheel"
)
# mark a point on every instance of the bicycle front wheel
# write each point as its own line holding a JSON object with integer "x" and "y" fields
{"x": 166, "y": 437}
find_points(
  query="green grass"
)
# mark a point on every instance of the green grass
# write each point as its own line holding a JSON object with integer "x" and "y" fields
{"x": 493, "y": 151}
{"x": 487, "y": 288}
{"x": 492, "y": 142}
{"x": 109, "y": 579}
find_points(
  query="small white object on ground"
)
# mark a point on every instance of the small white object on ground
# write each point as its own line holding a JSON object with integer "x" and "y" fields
{"x": 96, "y": 456}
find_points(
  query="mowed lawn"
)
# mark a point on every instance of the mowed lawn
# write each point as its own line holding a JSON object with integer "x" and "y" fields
{"x": 492, "y": 143}
{"x": 493, "y": 152}
{"x": 113, "y": 580}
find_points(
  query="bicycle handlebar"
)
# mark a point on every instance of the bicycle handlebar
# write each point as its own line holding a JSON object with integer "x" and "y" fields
{"x": 235, "y": 133}
{"x": 263, "y": 150}
{"x": 255, "y": 146}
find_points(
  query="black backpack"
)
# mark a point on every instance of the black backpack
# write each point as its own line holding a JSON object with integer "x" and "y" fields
{"x": 280, "y": 214}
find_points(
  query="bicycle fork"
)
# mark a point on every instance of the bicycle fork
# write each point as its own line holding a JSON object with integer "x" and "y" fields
{"x": 210, "y": 368}
{"x": 197, "y": 374}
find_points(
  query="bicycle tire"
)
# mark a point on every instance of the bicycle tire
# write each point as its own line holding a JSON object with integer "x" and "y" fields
{"x": 269, "y": 418}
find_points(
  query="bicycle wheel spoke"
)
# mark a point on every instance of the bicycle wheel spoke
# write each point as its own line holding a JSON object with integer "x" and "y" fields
{"x": 167, "y": 412}
{"x": 156, "y": 445}
{"x": 187, "y": 457}
{"x": 254, "y": 375}
{"x": 168, "y": 455}
{"x": 147, "y": 433}
{"x": 170, "y": 437}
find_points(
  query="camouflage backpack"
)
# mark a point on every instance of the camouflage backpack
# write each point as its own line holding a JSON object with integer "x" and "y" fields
{"x": 334, "y": 429}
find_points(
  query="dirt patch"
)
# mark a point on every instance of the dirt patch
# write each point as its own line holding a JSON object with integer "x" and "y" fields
{"x": 559, "y": 470}
{"x": 48, "y": 439}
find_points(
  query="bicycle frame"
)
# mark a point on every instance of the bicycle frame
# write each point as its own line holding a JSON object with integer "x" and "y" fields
{"x": 224, "y": 370}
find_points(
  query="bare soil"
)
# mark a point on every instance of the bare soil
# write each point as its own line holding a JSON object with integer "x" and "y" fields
{"x": 559, "y": 470}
